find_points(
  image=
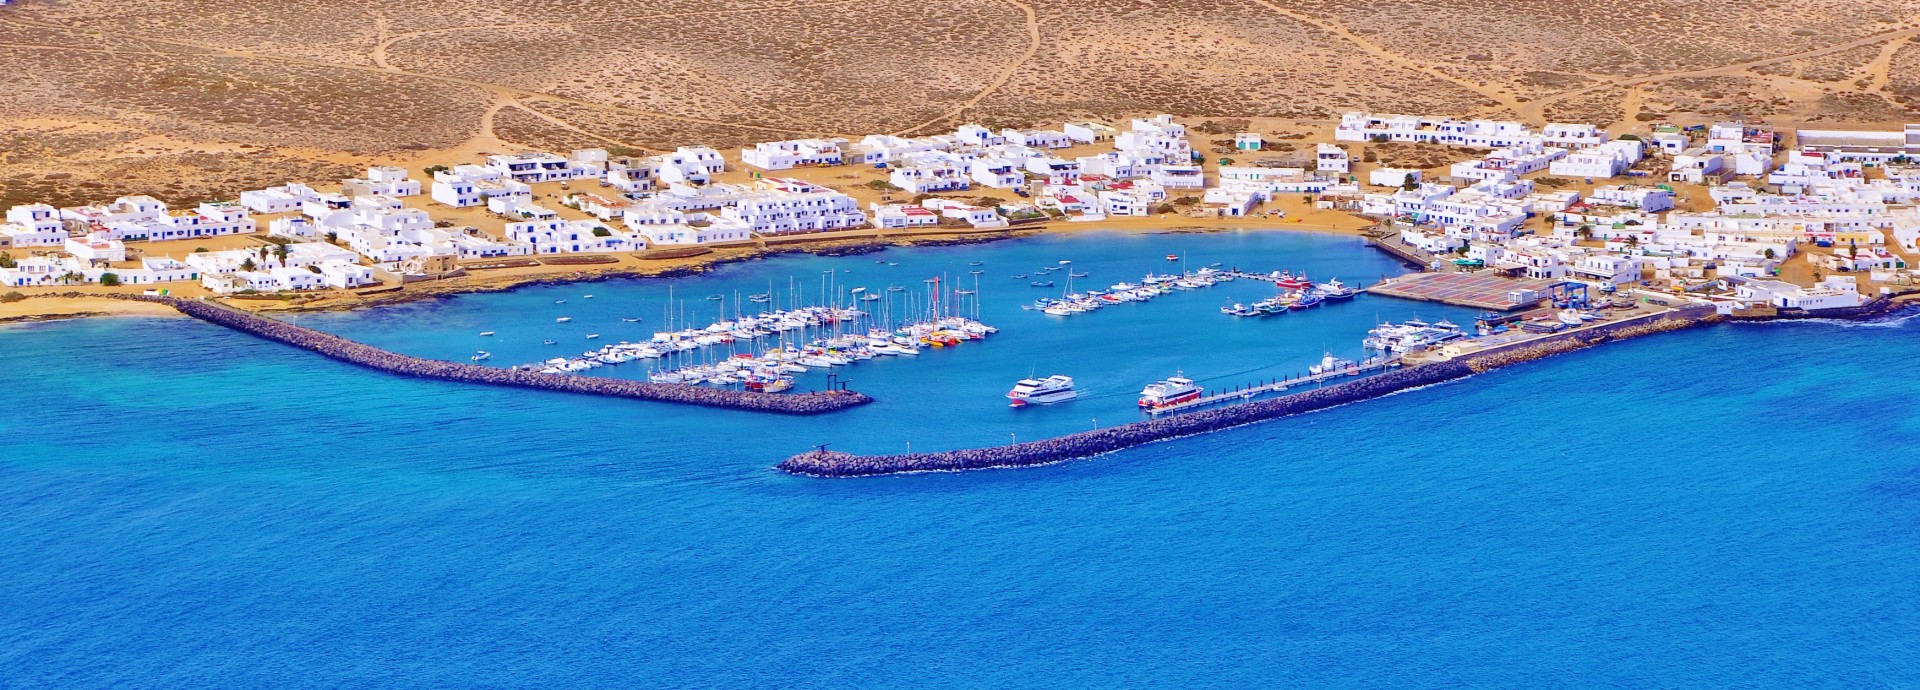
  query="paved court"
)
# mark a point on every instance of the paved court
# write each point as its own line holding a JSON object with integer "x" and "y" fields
{"x": 1482, "y": 289}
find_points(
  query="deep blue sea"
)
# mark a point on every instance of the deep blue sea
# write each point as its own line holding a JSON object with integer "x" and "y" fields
{"x": 183, "y": 506}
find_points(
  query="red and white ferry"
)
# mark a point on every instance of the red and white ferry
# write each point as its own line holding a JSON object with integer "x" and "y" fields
{"x": 1171, "y": 391}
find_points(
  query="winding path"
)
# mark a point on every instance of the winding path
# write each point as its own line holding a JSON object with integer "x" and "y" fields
{"x": 999, "y": 82}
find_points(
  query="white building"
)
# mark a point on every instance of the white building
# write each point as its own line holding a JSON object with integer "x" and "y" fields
{"x": 903, "y": 216}
{"x": 34, "y": 225}
{"x": 976, "y": 216}
{"x": 571, "y": 237}
{"x": 930, "y": 172}
{"x": 1647, "y": 199}
{"x": 689, "y": 165}
{"x": 1605, "y": 160}
{"x": 381, "y": 180}
{"x": 1333, "y": 159}
{"x": 283, "y": 199}
{"x": 96, "y": 248}
{"x": 1088, "y": 132}
{"x": 1572, "y": 136}
{"x": 998, "y": 173}
{"x": 1037, "y": 138}
{"x": 534, "y": 168}
{"x": 789, "y": 212}
{"x": 784, "y": 155}
{"x": 1393, "y": 177}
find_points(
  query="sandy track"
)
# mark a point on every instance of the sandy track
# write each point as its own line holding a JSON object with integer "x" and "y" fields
{"x": 1006, "y": 75}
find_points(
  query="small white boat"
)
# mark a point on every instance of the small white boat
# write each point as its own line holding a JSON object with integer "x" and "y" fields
{"x": 586, "y": 297}
{"x": 591, "y": 336}
{"x": 1047, "y": 391}
{"x": 563, "y": 319}
{"x": 484, "y": 334}
{"x": 559, "y": 301}
{"x": 1330, "y": 364}
{"x": 631, "y": 320}
{"x": 481, "y": 356}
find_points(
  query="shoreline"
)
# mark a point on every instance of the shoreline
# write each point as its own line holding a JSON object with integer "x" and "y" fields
{"x": 64, "y": 302}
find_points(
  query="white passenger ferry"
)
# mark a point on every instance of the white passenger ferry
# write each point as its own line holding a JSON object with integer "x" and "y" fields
{"x": 1047, "y": 391}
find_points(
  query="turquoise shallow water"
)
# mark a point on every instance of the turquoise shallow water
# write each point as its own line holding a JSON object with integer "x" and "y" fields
{"x": 1731, "y": 506}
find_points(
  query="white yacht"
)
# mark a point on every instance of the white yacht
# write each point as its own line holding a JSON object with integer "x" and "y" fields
{"x": 1047, "y": 391}
{"x": 1330, "y": 364}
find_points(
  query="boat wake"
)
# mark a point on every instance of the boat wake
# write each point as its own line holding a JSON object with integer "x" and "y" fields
{"x": 1896, "y": 320}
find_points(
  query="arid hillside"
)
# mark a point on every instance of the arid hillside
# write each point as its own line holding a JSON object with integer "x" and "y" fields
{"x": 188, "y": 99}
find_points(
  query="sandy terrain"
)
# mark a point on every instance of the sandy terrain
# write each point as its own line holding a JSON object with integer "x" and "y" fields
{"x": 49, "y": 308}
{"x": 140, "y": 96}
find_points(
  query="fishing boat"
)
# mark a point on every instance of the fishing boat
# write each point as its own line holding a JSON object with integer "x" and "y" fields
{"x": 1173, "y": 257}
{"x": 1330, "y": 364}
{"x": 1072, "y": 274}
{"x": 976, "y": 272}
{"x": 760, "y": 298}
{"x": 1290, "y": 281}
{"x": 548, "y": 341}
{"x": 1334, "y": 290}
{"x": 591, "y": 336}
{"x": 563, "y": 319}
{"x": 634, "y": 320}
{"x": 484, "y": 334}
{"x": 1172, "y": 391}
{"x": 481, "y": 356}
{"x": 1019, "y": 276}
{"x": 1041, "y": 283}
{"x": 1047, "y": 391}
{"x": 1307, "y": 300}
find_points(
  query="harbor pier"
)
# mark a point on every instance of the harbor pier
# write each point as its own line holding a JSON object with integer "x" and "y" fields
{"x": 1244, "y": 393}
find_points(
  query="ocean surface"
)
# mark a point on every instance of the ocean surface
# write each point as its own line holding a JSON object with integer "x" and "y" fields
{"x": 183, "y": 506}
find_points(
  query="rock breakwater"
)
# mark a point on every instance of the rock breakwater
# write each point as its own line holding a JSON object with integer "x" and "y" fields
{"x": 371, "y": 357}
{"x": 827, "y": 463}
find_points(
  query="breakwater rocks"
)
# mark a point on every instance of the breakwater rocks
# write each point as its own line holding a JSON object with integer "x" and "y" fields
{"x": 375, "y": 358}
{"x": 826, "y": 463}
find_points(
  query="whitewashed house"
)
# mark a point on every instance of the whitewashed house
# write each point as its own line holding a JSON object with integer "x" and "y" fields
{"x": 902, "y": 216}
{"x": 381, "y": 180}
{"x": 1333, "y": 159}
{"x": 784, "y": 155}
{"x": 286, "y": 198}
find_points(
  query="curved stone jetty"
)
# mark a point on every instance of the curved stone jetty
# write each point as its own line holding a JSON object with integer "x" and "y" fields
{"x": 372, "y": 357}
{"x": 825, "y": 463}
